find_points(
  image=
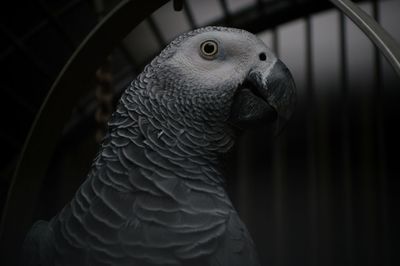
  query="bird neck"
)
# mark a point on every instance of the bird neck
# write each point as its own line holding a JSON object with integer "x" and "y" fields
{"x": 170, "y": 139}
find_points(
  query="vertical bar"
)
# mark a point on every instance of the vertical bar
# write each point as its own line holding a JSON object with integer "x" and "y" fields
{"x": 260, "y": 4}
{"x": 225, "y": 9}
{"x": 345, "y": 145}
{"x": 385, "y": 247}
{"x": 156, "y": 31}
{"x": 279, "y": 181}
{"x": 189, "y": 15}
{"x": 365, "y": 175}
{"x": 311, "y": 142}
{"x": 224, "y": 6}
{"x": 129, "y": 57}
{"x": 367, "y": 219}
{"x": 275, "y": 43}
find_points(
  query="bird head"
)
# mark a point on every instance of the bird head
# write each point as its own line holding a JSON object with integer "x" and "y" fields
{"x": 225, "y": 74}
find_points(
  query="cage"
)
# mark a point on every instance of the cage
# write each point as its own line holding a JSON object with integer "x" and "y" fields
{"x": 324, "y": 192}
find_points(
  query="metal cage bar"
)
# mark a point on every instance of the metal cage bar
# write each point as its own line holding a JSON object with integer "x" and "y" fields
{"x": 311, "y": 146}
{"x": 379, "y": 128}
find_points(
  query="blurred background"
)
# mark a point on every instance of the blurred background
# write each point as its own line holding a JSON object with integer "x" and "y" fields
{"x": 324, "y": 192}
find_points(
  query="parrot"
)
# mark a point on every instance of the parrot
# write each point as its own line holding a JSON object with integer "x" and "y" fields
{"x": 156, "y": 191}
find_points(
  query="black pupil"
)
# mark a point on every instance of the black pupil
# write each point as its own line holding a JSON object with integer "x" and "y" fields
{"x": 263, "y": 57}
{"x": 209, "y": 48}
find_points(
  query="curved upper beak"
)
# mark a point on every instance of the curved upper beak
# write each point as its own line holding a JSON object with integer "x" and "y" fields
{"x": 276, "y": 86}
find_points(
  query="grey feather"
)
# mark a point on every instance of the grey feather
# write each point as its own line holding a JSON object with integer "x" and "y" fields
{"x": 38, "y": 248}
{"x": 155, "y": 194}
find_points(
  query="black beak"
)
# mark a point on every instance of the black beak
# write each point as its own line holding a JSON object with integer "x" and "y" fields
{"x": 267, "y": 95}
{"x": 276, "y": 86}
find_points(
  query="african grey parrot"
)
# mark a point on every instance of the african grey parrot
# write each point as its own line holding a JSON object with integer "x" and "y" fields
{"x": 155, "y": 193}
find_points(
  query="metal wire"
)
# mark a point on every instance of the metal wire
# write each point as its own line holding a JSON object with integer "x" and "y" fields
{"x": 379, "y": 36}
{"x": 311, "y": 149}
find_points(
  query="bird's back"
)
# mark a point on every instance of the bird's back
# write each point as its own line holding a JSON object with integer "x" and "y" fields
{"x": 38, "y": 247}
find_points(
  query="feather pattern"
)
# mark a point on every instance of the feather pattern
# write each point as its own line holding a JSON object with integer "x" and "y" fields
{"x": 154, "y": 195}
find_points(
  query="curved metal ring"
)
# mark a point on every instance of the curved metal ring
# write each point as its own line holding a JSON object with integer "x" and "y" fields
{"x": 70, "y": 85}
{"x": 381, "y": 38}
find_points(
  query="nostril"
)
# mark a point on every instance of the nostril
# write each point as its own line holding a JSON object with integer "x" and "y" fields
{"x": 262, "y": 56}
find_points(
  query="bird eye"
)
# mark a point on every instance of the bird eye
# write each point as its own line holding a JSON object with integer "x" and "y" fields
{"x": 209, "y": 49}
{"x": 262, "y": 56}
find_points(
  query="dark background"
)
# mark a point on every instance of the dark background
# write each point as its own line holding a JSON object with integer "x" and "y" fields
{"x": 324, "y": 192}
